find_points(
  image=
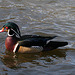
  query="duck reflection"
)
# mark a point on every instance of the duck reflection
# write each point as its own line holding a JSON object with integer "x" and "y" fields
{"x": 14, "y": 60}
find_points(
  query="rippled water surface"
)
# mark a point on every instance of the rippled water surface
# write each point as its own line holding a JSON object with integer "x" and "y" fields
{"x": 41, "y": 17}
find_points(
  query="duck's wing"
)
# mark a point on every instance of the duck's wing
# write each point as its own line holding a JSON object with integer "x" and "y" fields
{"x": 56, "y": 44}
{"x": 32, "y": 42}
{"x": 36, "y": 36}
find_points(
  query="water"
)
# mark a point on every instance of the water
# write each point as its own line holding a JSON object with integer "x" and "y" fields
{"x": 41, "y": 17}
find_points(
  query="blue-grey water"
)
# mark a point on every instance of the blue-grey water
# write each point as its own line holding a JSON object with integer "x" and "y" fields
{"x": 41, "y": 17}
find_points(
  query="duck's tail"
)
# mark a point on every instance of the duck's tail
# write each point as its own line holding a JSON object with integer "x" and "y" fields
{"x": 56, "y": 44}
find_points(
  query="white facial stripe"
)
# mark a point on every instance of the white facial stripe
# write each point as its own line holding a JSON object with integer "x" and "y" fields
{"x": 16, "y": 33}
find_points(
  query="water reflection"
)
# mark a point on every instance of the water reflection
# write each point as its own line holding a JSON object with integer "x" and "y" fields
{"x": 15, "y": 61}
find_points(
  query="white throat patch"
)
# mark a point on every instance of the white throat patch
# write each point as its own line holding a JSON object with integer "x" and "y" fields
{"x": 9, "y": 33}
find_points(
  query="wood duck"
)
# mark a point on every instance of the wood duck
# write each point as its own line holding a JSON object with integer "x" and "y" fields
{"x": 28, "y": 43}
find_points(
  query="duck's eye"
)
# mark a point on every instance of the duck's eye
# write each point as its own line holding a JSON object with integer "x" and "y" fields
{"x": 6, "y": 27}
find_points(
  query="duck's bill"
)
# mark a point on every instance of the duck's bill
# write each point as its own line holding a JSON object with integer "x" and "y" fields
{"x": 3, "y": 30}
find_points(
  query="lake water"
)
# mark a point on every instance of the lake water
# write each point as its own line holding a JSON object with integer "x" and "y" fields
{"x": 40, "y": 17}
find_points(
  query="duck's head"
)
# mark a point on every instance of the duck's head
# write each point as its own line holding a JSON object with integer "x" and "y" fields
{"x": 12, "y": 29}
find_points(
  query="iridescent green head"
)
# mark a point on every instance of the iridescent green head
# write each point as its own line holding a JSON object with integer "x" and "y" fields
{"x": 12, "y": 29}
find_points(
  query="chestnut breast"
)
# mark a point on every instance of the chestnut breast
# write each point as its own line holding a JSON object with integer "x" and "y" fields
{"x": 10, "y": 43}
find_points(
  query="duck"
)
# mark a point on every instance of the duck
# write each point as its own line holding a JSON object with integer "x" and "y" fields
{"x": 28, "y": 43}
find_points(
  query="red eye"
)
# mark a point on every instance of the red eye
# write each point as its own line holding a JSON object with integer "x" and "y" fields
{"x": 6, "y": 27}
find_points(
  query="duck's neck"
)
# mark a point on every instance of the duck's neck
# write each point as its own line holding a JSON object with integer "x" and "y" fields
{"x": 10, "y": 42}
